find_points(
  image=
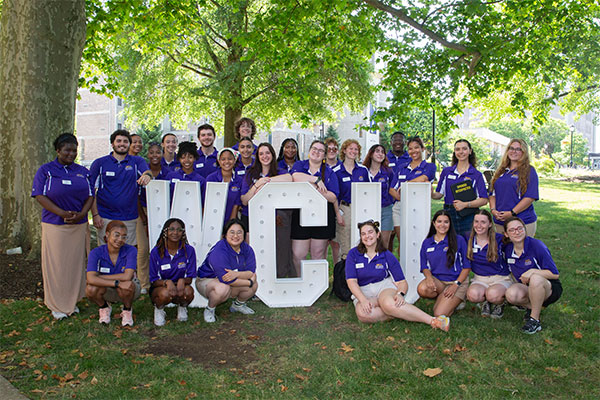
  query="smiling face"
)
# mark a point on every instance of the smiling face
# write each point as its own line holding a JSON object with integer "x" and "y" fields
{"x": 481, "y": 224}
{"x": 154, "y": 155}
{"x": 227, "y": 161}
{"x": 169, "y": 144}
{"x": 206, "y": 137}
{"x": 290, "y": 150}
{"x": 368, "y": 236}
{"x": 235, "y": 236}
{"x": 515, "y": 151}
{"x": 415, "y": 151}
{"x": 264, "y": 156}
{"x": 379, "y": 154}
{"x": 397, "y": 143}
{"x": 246, "y": 148}
{"x": 175, "y": 232}
{"x": 245, "y": 129}
{"x": 136, "y": 145}
{"x": 187, "y": 161}
{"x": 316, "y": 152}
{"x": 462, "y": 151}
{"x": 67, "y": 153}
{"x": 515, "y": 231}
{"x": 116, "y": 237}
{"x": 121, "y": 145}
{"x": 442, "y": 224}
{"x": 351, "y": 152}
{"x": 332, "y": 151}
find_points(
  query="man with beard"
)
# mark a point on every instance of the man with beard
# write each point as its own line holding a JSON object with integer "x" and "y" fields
{"x": 206, "y": 163}
{"x": 116, "y": 178}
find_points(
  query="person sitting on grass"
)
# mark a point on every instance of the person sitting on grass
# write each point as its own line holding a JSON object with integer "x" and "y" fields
{"x": 378, "y": 286}
{"x": 172, "y": 268}
{"x": 229, "y": 271}
{"x": 110, "y": 274}
{"x": 492, "y": 277}
{"x": 534, "y": 270}
{"x": 445, "y": 266}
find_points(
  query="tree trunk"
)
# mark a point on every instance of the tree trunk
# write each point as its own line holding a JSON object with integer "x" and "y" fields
{"x": 41, "y": 44}
{"x": 231, "y": 116}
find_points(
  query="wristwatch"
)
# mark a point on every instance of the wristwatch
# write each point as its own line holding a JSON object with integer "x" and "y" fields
{"x": 514, "y": 214}
{"x": 458, "y": 283}
{"x": 117, "y": 283}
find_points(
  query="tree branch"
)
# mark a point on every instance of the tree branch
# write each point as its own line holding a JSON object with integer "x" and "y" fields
{"x": 578, "y": 90}
{"x": 184, "y": 65}
{"x": 260, "y": 92}
{"x": 213, "y": 56}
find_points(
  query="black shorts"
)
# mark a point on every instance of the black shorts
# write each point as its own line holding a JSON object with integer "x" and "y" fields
{"x": 246, "y": 220}
{"x": 314, "y": 232}
{"x": 556, "y": 292}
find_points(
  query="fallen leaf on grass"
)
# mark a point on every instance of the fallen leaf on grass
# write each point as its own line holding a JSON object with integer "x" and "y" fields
{"x": 283, "y": 388}
{"x": 94, "y": 381}
{"x": 301, "y": 377}
{"x": 577, "y": 335}
{"x": 222, "y": 361}
{"x": 47, "y": 329}
{"x": 83, "y": 375}
{"x": 36, "y": 391}
{"x": 279, "y": 380}
{"x": 13, "y": 333}
{"x": 447, "y": 351}
{"x": 253, "y": 337}
{"x": 458, "y": 347}
{"x": 553, "y": 369}
{"x": 241, "y": 382}
{"x": 69, "y": 376}
{"x": 306, "y": 369}
{"x": 463, "y": 387}
{"x": 431, "y": 372}
{"x": 346, "y": 348}
{"x": 182, "y": 382}
{"x": 390, "y": 338}
{"x": 548, "y": 341}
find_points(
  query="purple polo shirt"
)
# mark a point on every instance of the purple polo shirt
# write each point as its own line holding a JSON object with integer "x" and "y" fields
{"x": 480, "y": 264}
{"x": 247, "y": 184}
{"x": 330, "y": 179}
{"x": 396, "y": 162}
{"x": 535, "y": 255}
{"x": 433, "y": 258}
{"x": 406, "y": 173}
{"x": 233, "y": 192}
{"x": 207, "y": 164}
{"x": 222, "y": 256}
{"x": 181, "y": 265}
{"x": 281, "y": 164}
{"x": 387, "y": 178}
{"x": 194, "y": 176}
{"x": 450, "y": 176}
{"x": 99, "y": 260}
{"x": 366, "y": 271}
{"x": 170, "y": 166}
{"x": 360, "y": 173}
{"x": 68, "y": 186}
{"x": 506, "y": 190}
{"x": 116, "y": 186}
{"x": 240, "y": 169}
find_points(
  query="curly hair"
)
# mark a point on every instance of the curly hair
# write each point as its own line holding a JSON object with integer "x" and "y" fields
{"x": 345, "y": 146}
{"x": 163, "y": 238}
{"x": 238, "y": 124}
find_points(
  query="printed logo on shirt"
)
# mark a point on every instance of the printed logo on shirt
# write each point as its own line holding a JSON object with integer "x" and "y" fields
{"x": 181, "y": 264}
{"x": 214, "y": 164}
{"x": 468, "y": 178}
{"x": 242, "y": 172}
{"x": 164, "y": 267}
{"x": 235, "y": 188}
{"x": 128, "y": 168}
{"x": 110, "y": 173}
{"x": 445, "y": 249}
{"x": 361, "y": 178}
{"x": 514, "y": 176}
{"x": 528, "y": 262}
{"x": 80, "y": 176}
{"x": 382, "y": 179}
{"x": 378, "y": 266}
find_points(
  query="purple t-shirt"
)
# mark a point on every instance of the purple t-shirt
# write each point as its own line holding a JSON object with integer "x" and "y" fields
{"x": 433, "y": 258}
{"x": 366, "y": 271}
{"x": 234, "y": 191}
{"x": 387, "y": 178}
{"x": 396, "y": 162}
{"x": 222, "y": 256}
{"x": 116, "y": 185}
{"x": 181, "y": 265}
{"x": 508, "y": 195}
{"x": 406, "y": 173}
{"x": 68, "y": 186}
{"x": 330, "y": 179}
{"x": 206, "y": 164}
{"x": 99, "y": 260}
{"x": 345, "y": 179}
{"x": 480, "y": 264}
{"x": 450, "y": 176}
{"x": 535, "y": 255}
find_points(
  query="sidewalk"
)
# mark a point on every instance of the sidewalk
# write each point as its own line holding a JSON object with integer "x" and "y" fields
{"x": 9, "y": 392}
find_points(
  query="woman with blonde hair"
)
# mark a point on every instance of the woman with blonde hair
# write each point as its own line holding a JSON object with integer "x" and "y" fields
{"x": 514, "y": 188}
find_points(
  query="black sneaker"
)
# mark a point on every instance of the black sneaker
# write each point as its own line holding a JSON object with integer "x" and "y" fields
{"x": 485, "y": 309}
{"x": 497, "y": 311}
{"x": 531, "y": 326}
{"x": 527, "y": 315}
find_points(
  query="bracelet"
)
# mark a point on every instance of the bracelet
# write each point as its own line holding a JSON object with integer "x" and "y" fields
{"x": 95, "y": 215}
{"x": 402, "y": 293}
{"x": 318, "y": 180}
{"x": 251, "y": 283}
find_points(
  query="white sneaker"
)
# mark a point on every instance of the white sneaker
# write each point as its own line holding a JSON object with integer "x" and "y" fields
{"x": 75, "y": 311}
{"x": 182, "y": 313}
{"x": 143, "y": 291}
{"x": 59, "y": 315}
{"x": 104, "y": 314}
{"x": 159, "y": 316}
{"x": 209, "y": 315}
{"x": 241, "y": 308}
{"x": 461, "y": 306}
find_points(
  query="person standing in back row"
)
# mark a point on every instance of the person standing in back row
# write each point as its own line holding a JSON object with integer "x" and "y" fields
{"x": 206, "y": 163}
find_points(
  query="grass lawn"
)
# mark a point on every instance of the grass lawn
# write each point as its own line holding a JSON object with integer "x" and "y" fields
{"x": 322, "y": 351}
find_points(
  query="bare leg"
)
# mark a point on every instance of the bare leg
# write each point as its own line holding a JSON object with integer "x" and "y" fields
{"x": 385, "y": 236}
{"x": 539, "y": 290}
{"x": 217, "y": 293}
{"x": 495, "y": 294}
{"x": 318, "y": 249}
{"x": 335, "y": 251}
{"x": 300, "y": 250}
{"x": 407, "y": 312}
{"x": 376, "y": 314}
{"x": 244, "y": 293}
{"x": 476, "y": 293}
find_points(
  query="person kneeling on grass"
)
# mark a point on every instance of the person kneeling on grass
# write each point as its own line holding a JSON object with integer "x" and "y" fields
{"x": 534, "y": 270}
{"x": 375, "y": 278}
{"x": 110, "y": 274}
{"x": 228, "y": 272}
{"x": 172, "y": 268}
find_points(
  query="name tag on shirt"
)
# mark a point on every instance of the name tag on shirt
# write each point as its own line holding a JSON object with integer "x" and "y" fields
{"x": 346, "y": 179}
{"x": 66, "y": 182}
{"x": 200, "y": 165}
{"x": 242, "y": 172}
{"x": 165, "y": 267}
{"x": 392, "y": 164}
{"x": 401, "y": 176}
{"x": 475, "y": 249}
{"x": 104, "y": 270}
{"x": 510, "y": 260}
{"x": 174, "y": 180}
{"x": 110, "y": 173}
{"x": 429, "y": 250}
{"x": 360, "y": 265}
{"x": 336, "y": 169}
{"x": 451, "y": 176}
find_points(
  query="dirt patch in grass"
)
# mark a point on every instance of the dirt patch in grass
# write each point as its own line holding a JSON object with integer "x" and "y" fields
{"x": 21, "y": 277}
{"x": 224, "y": 347}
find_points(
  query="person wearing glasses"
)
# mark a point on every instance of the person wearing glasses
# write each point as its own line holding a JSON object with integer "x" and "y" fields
{"x": 377, "y": 283}
{"x": 229, "y": 271}
{"x": 533, "y": 268}
{"x": 331, "y": 158}
{"x": 514, "y": 188}
{"x": 172, "y": 268}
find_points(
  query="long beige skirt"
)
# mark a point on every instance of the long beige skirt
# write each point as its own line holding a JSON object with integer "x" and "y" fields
{"x": 64, "y": 254}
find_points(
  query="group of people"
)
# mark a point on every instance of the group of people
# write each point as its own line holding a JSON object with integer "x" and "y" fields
{"x": 123, "y": 267}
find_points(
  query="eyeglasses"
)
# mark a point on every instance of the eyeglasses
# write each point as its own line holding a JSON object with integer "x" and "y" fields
{"x": 235, "y": 233}
{"x": 316, "y": 150}
{"x": 517, "y": 149}
{"x": 178, "y": 230}
{"x": 332, "y": 149}
{"x": 515, "y": 230}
